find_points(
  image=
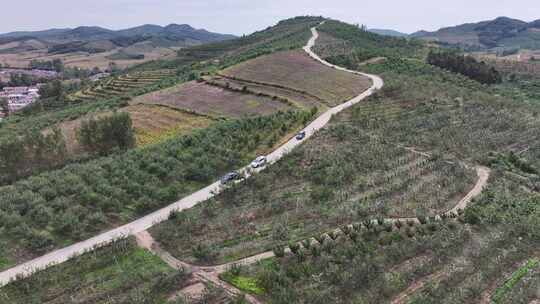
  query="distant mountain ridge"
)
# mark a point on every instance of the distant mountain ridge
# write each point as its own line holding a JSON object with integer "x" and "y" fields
{"x": 97, "y": 39}
{"x": 388, "y": 32}
{"x": 97, "y": 33}
{"x": 502, "y": 32}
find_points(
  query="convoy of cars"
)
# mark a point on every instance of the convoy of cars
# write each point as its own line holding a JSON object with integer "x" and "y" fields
{"x": 259, "y": 162}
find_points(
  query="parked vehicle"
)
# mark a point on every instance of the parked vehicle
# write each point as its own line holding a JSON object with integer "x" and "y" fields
{"x": 259, "y": 162}
{"x": 301, "y": 135}
{"x": 229, "y": 177}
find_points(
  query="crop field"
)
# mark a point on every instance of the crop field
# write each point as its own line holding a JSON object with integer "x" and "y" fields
{"x": 296, "y": 70}
{"x": 476, "y": 258}
{"x": 407, "y": 151}
{"x": 212, "y": 100}
{"x": 152, "y": 124}
{"x": 118, "y": 273}
{"x": 412, "y": 149}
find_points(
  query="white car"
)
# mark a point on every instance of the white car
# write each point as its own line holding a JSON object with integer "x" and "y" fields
{"x": 259, "y": 162}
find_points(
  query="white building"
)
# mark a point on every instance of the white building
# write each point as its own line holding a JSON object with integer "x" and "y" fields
{"x": 19, "y": 97}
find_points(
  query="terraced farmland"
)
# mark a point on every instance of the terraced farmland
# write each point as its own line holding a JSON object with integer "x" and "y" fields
{"x": 121, "y": 85}
{"x": 438, "y": 119}
{"x": 295, "y": 81}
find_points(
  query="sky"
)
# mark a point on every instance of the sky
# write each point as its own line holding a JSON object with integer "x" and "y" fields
{"x": 246, "y": 16}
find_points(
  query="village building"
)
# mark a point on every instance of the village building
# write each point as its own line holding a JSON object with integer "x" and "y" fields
{"x": 19, "y": 97}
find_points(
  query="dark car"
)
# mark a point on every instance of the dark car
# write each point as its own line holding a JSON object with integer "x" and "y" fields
{"x": 301, "y": 135}
{"x": 229, "y": 177}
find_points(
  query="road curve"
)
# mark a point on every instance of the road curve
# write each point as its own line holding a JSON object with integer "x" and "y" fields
{"x": 144, "y": 223}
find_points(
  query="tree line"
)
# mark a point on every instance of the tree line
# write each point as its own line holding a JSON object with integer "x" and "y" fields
{"x": 465, "y": 65}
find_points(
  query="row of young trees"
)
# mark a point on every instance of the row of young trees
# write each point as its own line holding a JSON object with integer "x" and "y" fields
{"x": 465, "y": 65}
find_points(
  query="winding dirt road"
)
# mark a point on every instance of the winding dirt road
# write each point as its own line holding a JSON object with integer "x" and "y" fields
{"x": 144, "y": 223}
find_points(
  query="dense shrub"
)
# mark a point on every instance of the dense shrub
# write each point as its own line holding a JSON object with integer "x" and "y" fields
{"x": 106, "y": 134}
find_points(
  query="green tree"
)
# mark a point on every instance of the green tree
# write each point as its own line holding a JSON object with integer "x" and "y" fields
{"x": 106, "y": 134}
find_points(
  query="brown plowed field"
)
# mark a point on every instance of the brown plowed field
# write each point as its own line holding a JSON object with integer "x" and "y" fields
{"x": 212, "y": 100}
{"x": 296, "y": 70}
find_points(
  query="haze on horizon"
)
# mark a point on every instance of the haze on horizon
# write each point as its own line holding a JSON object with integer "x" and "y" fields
{"x": 244, "y": 16}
